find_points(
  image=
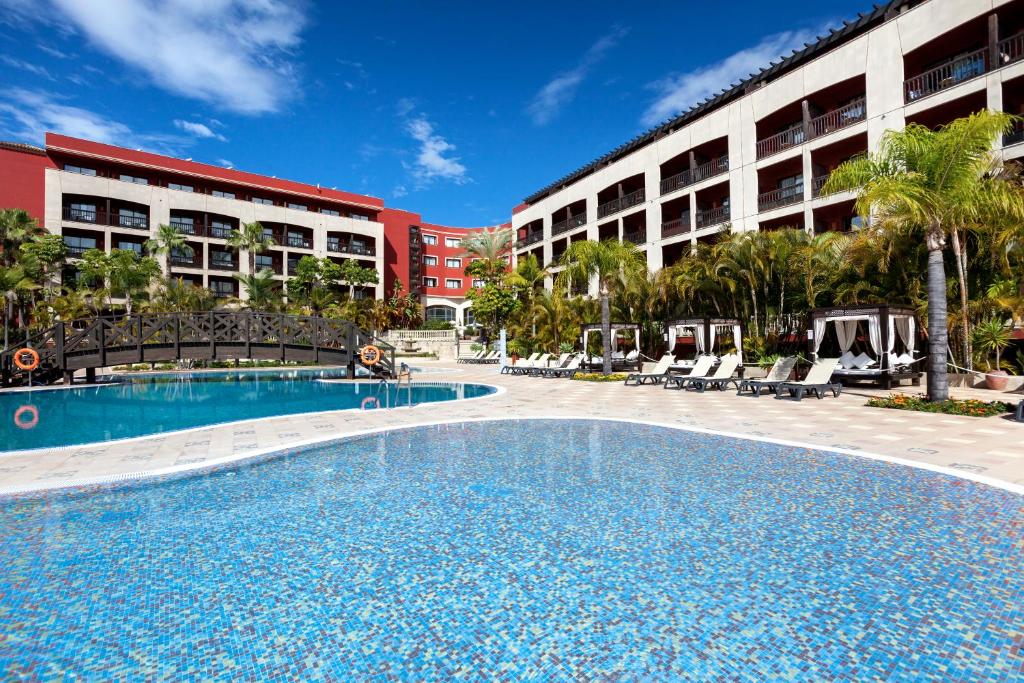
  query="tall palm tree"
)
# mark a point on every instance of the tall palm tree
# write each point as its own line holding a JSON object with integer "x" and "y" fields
{"x": 253, "y": 240}
{"x": 488, "y": 243}
{"x": 166, "y": 242}
{"x": 16, "y": 228}
{"x": 936, "y": 184}
{"x": 261, "y": 290}
{"x": 13, "y": 282}
{"x": 529, "y": 276}
{"x": 611, "y": 263}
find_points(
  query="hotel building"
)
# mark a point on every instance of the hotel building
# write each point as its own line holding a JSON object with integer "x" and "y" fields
{"x": 755, "y": 156}
{"x": 100, "y": 196}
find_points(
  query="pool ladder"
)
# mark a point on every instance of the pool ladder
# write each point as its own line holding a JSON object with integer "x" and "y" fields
{"x": 404, "y": 373}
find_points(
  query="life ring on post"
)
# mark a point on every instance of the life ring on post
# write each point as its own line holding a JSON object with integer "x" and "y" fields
{"x": 33, "y": 418}
{"x": 370, "y": 402}
{"x": 27, "y": 359}
{"x": 370, "y": 354}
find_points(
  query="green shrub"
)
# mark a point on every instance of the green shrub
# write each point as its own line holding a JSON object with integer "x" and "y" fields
{"x": 952, "y": 406}
{"x": 438, "y": 325}
{"x": 599, "y": 377}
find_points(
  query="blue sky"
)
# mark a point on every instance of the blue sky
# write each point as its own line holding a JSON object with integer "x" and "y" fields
{"x": 456, "y": 110}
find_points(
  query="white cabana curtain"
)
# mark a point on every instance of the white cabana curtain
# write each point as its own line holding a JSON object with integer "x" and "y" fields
{"x": 905, "y": 327}
{"x": 698, "y": 334}
{"x": 711, "y": 340}
{"x": 819, "y": 332}
{"x": 846, "y": 332}
{"x": 875, "y": 334}
{"x": 737, "y": 337}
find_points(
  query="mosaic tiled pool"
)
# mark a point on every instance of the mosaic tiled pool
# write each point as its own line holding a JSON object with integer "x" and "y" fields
{"x": 521, "y": 550}
{"x": 154, "y": 404}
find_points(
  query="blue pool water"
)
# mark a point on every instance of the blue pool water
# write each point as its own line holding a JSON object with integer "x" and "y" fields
{"x": 521, "y": 550}
{"x": 152, "y": 404}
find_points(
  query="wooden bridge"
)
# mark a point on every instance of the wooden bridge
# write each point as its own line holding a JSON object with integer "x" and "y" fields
{"x": 213, "y": 335}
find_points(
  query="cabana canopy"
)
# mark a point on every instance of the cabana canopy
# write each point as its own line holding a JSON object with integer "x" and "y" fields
{"x": 885, "y": 323}
{"x": 705, "y": 330}
{"x": 616, "y": 328}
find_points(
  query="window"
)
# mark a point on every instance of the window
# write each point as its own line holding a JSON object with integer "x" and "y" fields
{"x": 223, "y": 194}
{"x": 430, "y": 282}
{"x": 180, "y": 187}
{"x": 76, "y": 246}
{"x": 138, "y": 180}
{"x": 184, "y": 224}
{"x": 358, "y": 217}
{"x": 478, "y": 283}
{"x": 446, "y": 313}
{"x": 222, "y": 259}
{"x": 220, "y": 229}
{"x": 269, "y": 233}
{"x": 182, "y": 257}
{"x": 130, "y": 218}
{"x": 293, "y": 264}
{"x": 297, "y": 207}
{"x": 453, "y": 263}
{"x": 297, "y": 239}
{"x": 430, "y": 260}
{"x": 125, "y": 245}
{"x": 85, "y": 213}
{"x": 452, "y": 242}
{"x": 264, "y": 261}
{"x": 330, "y": 212}
{"x": 71, "y": 168}
{"x": 430, "y": 239}
{"x": 452, "y": 283}
{"x": 262, "y": 200}
{"x": 222, "y": 287}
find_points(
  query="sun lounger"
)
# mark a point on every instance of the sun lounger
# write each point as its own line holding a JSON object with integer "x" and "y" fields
{"x": 1020, "y": 412}
{"x": 469, "y": 359}
{"x": 566, "y": 372}
{"x": 700, "y": 369}
{"x": 538, "y": 369}
{"x": 817, "y": 382}
{"x": 779, "y": 373}
{"x": 656, "y": 375}
{"x": 521, "y": 363}
{"x": 721, "y": 378}
{"x": 538, "y": 362}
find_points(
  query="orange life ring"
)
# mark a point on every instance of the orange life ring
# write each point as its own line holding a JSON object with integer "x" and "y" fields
{"x": 370, "y": 402}
{"x": 370, "y": 354}
{"x": 28, "y": 365}
{"x": 33, "y": 419}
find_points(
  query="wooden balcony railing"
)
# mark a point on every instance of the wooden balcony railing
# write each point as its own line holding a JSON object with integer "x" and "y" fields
{"x": 708, "y": 217}
{"x": 100, "y": 217}
{"x": 836, "y": 119}
{"x": 620, "y": 204}
{"x": 817, "y": 184}
{"x": 635, "y": 236}
{"x": 946, "y": 76}
{"x": 1011, "y": 49}
{"x": 784, "y": 196}
{"x": 569, "y": 224}
{"x": 532, "y": 238}
{"x": 781, "y": 141}
{"x": 299, "y": 241}
{"x": 678, "y": 226}
{"x": 710, "y": 169}
{"x": 340, "y": 247}
{"x": 677, "y": 181}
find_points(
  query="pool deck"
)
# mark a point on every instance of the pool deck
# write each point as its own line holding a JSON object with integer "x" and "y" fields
{"x": 985, "y": 448}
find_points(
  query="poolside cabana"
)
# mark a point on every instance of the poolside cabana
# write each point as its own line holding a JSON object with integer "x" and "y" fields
{"x": 620, "y": 360}
{"x": 874, "y": 342}
{"x": 708, "y": 334}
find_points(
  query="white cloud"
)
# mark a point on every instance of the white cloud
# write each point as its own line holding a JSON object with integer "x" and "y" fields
{"x": 225, "y": 163}
{"x": 52, "y": 51}
{"x": 399, "y": 191}
{"x": 561, "y": 90}
{"x": 26, "y": 115}
{"x": 233, "y": 54}
{"x": 678, "y": 92}
{"x": 200, "y": 130}
{"x": 431, "y": 162}
{"x": 33, "y": 69}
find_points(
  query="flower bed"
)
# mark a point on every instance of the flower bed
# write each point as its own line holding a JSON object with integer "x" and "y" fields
{"x": 598, "y": 377}
{"x": 952, "y": 406}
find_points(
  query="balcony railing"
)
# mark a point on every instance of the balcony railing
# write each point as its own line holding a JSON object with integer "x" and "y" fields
{"x": 1011, "y": 49}
{"x": 1016, "y": 134}
{"x": 836, "y": 119}
{"x": 708, "y": 217}
{"x": 569, "y": 224}
{"x": 187, "y": 261}
{"x": 223, "y": 265}
{"x": 621, "y": 204}
{"x": 784, "y": 196}
{"x": 691, "y": 177}
{"x": 781, "y": 141}
{"x": 945, "y": 76}
{"x": 677, "y": 181}
{"x": 186, "y": 228}
{"x": 219, "y": 231}
{"x": 340, "y": 247}
{"x": 76, "y": 251}
{"x": 635, "y": 236}
{"x": 99, "y": 217}
{"x": 299, "y": 242}
{"x": 679, "y": 226}
{"x": 532, "y": 238}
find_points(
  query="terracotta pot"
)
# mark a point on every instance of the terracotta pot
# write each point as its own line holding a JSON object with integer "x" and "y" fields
{"x": 997, "y": 380}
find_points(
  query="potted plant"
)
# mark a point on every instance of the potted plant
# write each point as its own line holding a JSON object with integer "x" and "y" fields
{"x": 992, "y": 337}
{"x": 516, "y": 349}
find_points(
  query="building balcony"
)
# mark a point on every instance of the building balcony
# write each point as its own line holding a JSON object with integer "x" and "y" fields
{"x": 100, "y": 217}
{"x": 954, "y": 72}
{"x": 223, "y": 265}
{"x": 532, "y": 238}
{"x": 693, "y": 176}
{"x": 193, "y": 261}
{"x": 186, "y": 228}
{"x": 844, "y": 116}
{"x": 1015, "y": 136}
{"x": 339, "y": 247}
{"x": 817, "y": 184}
{"x": 635, "y": 236}
{"x": 299, "y": 242}
{"x": 708, "y": 217}
{"x": 76, "y": 251}
{"x": 621, "y": 204}
{"x": 1011, "y": 49}
{"x": 784, "y": 196}
{"x": 791, "y": 137}
{"x": 679, "y": 226}
{"x": 568, "y": 224}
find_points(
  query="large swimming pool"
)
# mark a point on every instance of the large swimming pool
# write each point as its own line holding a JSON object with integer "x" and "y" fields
{"x": 521, "y": 550}
{"x": 153, "y": 404}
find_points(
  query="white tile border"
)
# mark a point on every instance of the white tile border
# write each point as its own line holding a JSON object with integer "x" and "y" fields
{"x": 198, "y": 468}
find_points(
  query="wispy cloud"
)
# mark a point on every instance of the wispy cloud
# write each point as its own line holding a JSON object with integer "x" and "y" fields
{"x": 433, "y": 160}
{"x": 561, "y": 90}
{"x": 678, "y": 92}
{"x": 225, "y": 163}
{"x": 33, "y": 69}
{"x": 28, "y": 114}
{"x": 200, "y": 130}
{"x": 233, "y": 54}
{"x": 399, "y": 191}
{"x": 52, "y": 51}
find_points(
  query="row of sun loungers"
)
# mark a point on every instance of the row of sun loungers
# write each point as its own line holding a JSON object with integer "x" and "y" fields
{"x": 481, "y": 358}
{"x": 541, "y": 365}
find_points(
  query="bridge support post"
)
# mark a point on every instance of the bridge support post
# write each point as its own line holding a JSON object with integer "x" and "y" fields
{"x": 316, "y": 339}
{"x": 138, "y": 331}
{"x": 90, "y": 375}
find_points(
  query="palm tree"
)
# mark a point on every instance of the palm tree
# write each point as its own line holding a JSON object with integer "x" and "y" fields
{"x": 130, "y": 274}
{"x": 936, "y": 184}
{"x": 16, "y": 228}
{"x": 261, "y": 290}
{"x": 13, "y": 282}
{"x": 611, "y": 263}
{"x": 167, "y": 241}
{"x": 252, "y": 239}
{"x": 529, "y": 276}
{"x": 489, "y": 243}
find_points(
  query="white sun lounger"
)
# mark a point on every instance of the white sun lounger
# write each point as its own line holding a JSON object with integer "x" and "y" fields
{"x": 817, "y": 382}
{"x": 700, "y": 369}
{"x": 656, "y": 375}
{"x": 779, "y": 373}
